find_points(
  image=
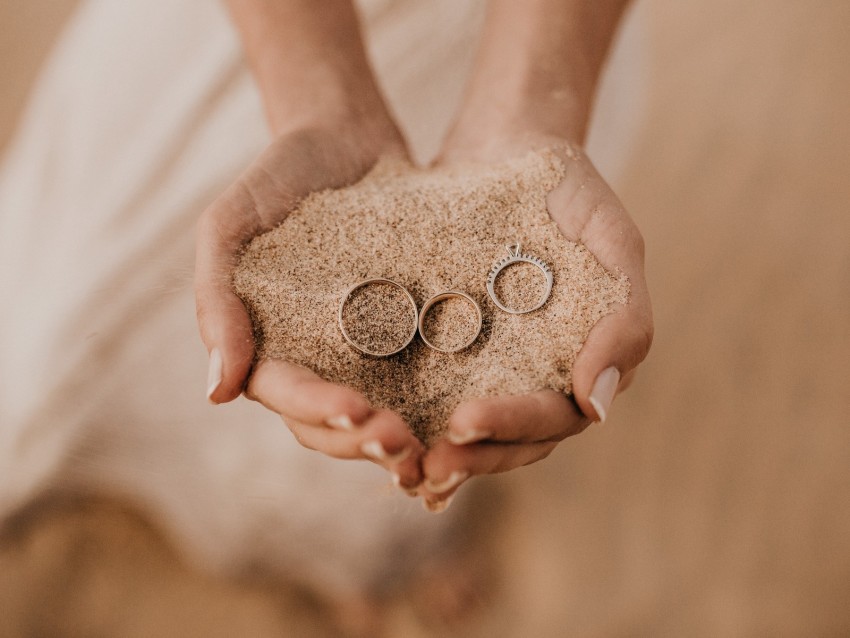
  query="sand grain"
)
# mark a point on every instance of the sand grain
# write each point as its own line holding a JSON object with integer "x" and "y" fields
{"x": 431, "y": 231}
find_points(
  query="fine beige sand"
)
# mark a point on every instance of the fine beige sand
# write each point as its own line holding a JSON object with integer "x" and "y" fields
{"x": 430, "y": 230}
{"x": 712, "y": 502}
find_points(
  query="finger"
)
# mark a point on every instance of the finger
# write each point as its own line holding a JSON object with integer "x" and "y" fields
{"x": 587, "y": 210}
{"x": 254, "y": 204}
{"x": 298, "y": 393}
{"x": 546, "y": 415}
{"x": 222, "y": 318}
{"x": 615, "y": 345}
{"x": 384, "y": 439}
{"x": 446, "y": 466}
{"x": 291, "y": 167}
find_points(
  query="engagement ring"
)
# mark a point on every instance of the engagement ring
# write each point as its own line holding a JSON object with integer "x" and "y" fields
{"x": 515, "y": 255}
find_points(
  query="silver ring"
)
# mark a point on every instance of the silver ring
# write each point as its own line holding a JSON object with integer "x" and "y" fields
{"x": 440, "y": 297}
{"x": 516, "y": 255}
{"x": 354, "y": 344}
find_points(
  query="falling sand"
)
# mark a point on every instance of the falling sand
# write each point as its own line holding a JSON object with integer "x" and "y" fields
{"x": 430, "y": 230}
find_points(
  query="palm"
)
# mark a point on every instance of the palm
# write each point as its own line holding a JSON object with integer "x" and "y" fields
{"x": 318, "y": 412}
{"x": 511, "y": 431}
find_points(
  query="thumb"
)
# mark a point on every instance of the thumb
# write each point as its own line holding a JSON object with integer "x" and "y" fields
{"x": 621, "y": 340}
{"x": 587, "y": 211}
{"x": 226, "y": 331}
{"x": 223, "y": 320}
{"x": 605, "y": 364}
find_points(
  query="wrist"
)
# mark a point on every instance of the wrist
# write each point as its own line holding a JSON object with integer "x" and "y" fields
{"x": 325, "y": 103}
{"x": 334, "y": 98}
{"x": 310, "y": 66}
{"x": 359, "y": 132}
{"x": 492, "y": 130}
{"x": 536, "y": 72}
{"x": 523, "y": 96}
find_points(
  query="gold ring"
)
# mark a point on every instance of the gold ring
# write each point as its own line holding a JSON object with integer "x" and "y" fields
{"x": 440, "y": 297}
{"x": 365, "y": 349}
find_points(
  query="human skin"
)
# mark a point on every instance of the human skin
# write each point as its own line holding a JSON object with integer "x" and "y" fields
{"x": 532, "y": 87}
{"x": 329, "y": 125}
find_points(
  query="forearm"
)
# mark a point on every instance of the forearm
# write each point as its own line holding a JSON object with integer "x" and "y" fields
{"x": 309, "y": 62}
{"x": 537, "y": 69}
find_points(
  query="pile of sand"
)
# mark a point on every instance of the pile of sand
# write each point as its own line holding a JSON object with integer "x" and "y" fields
{"x": 429, "y": 230}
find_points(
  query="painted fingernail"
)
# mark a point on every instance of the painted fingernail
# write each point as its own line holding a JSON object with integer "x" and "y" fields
{"x": 374, "y": 450}
{"x": 455, "y": 478}
{"x": 214, "y": 373}
{"x": 397, "y": 482}
{"x": 435, "y": 507}
{"x": 602, "y": 394}
{"x": 470, "y": 436}
{"x": 341, "y": 422}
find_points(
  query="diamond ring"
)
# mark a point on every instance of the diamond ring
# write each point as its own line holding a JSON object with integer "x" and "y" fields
{"x": 515, "y": 255}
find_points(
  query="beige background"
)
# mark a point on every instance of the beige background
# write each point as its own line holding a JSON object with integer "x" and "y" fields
{"x": 716, "y": 501}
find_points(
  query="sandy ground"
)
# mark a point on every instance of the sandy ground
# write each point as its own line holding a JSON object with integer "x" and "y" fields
{"x": 715, "y": 501}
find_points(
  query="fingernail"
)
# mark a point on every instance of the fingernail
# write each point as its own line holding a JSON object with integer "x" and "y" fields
{"x": 462, "y": 438}
{"x": 455, "y": 479}
{"x": 602, "y": 394}
{"x": 435, "y": 507}
{"x": 397, "y": 482}
{"x": 341, "y": 422}
{"x": 214, "y": 373}
{"x": 374, "y": 450}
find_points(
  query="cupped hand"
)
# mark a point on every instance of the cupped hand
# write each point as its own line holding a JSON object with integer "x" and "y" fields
{"x": 497, "y": 434}
{"x": 323, "y": 416}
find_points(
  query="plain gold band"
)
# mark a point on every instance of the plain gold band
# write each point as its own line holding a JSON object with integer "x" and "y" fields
{"x": 440, "y": 297}
{"x": 377, "y": 280}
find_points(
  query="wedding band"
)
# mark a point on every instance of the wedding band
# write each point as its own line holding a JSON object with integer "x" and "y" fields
{"x": 515, "y": 255}
{"x": 449, "y": 294}
{"x": 360, "y": 347}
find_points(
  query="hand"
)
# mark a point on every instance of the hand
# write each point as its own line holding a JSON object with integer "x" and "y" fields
{"x": 323, "y": 416}
{"x": 497, "y": 434}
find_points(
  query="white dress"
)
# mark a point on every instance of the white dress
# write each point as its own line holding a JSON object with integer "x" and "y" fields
{"x": 144, "y": 113}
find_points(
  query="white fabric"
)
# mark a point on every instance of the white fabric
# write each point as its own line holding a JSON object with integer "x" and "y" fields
{"x": 144, "y": 113}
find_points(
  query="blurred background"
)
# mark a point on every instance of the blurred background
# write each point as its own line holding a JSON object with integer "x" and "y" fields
{"x": 716, "y": 501}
